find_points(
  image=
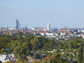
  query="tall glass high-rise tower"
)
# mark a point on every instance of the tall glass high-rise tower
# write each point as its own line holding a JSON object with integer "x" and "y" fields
{"x": 17, "y": 24}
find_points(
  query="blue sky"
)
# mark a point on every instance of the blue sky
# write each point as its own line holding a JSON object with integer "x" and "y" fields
{"x": 37, "y": 13}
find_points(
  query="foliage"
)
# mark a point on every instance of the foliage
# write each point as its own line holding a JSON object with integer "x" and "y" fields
{"x": 20, "y": 61}
{"x": 35, "y": 61}
{"x": 2, "y": 51}
{"x": 21, "y": 49}
{"x": 9, "y": 62}
{"x": 0, "y": 62}
{"x": 67, "y": 62}
{"x": 55, "y": 59}
{"x": 22, "y": 46}
{"x": 80, "y": 54}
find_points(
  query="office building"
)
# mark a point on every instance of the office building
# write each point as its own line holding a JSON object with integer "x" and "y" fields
{"x": 17, "y": 24}
{"x": 48, "y": 26}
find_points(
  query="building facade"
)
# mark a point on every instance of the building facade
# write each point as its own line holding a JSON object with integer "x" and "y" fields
{"x": 17, "y": 24}
{"x": 48, "y": 26}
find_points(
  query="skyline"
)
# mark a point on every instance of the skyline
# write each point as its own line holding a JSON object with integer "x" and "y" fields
{"x": 39, "y": 13}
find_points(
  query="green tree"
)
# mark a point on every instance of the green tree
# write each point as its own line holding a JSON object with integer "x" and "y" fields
{"x": 80, "y": 54}
{"x": 48, "y": 60}
{"x": 35, "y": 61}
{"x": 55, "y": 55}
{"x": 9, "y": 62}
{"x": 45, "y": 60}
{"x": 68, "y": 62}
{"x": 21, "y": 49}
{"x": 0, "y": 61}
{"x": 2, "y": 51}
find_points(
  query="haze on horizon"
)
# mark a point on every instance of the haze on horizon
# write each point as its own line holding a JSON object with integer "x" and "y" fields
{"x": 37, "y": 13}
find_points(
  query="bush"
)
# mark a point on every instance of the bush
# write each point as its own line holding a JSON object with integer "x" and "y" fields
{"x": 0, "y": 61}
{"x": 9, "y": 62}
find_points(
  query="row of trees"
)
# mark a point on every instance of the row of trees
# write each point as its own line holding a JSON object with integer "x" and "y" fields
{"x": 22, "y": 46}
{"x": 80, "y": 54}
{"x": 55, "y": 58}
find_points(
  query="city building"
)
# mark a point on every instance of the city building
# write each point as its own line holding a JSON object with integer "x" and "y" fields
{"x": 17, "y": 24}
{"x": 48, "y": 26}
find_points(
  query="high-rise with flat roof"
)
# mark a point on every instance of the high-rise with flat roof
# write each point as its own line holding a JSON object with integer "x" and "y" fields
{"x": 48, "y": 26}
{"x": 17, "y": 24}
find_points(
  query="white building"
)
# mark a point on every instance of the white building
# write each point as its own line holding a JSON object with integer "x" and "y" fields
{"x": 9, "y": 57}
{"x": 48, "y": 26}
{"x": 42, "y": 34}
{"x": 2, "y": 58}
{"x": 11, "y": 28}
